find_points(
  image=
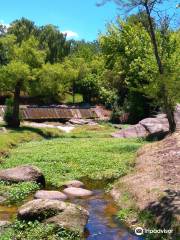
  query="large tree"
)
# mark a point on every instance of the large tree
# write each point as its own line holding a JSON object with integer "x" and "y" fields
{"x": 148, "y": 6}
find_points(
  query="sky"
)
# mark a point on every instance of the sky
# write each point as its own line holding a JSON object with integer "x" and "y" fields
{"x": 81, "y": 19}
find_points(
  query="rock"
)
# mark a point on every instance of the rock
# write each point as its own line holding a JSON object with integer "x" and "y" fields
{"x": 148, "y": 127}
{"x": 3, "y": 130}
{"x": 77, "y": 192}
{"x": 51, "y": 195}
{"x": 22, "y": 174}
{"x": 4, "y": 224}
{"x": 66, "y": 215}
{"x": 40, "y": 209}
{"x": 134, "y": 131}
{"x": 2, "y": 199}
{"x": 177, "y": 116}
{"x": 74, "y": 183}
{"x": 155, "y": 125}
{"x": 78, "y": 121}
{"x": 74, "y": 219}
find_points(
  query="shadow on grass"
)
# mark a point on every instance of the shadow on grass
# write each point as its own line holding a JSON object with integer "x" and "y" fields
{"x": 45, "y": 133}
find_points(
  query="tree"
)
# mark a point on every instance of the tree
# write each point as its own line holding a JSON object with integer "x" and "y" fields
{"x": 15, "y": 75}
{"x": 23, "y": 29}
{"x": 51, "y": 82}
{"x": 54, "y": 42}
{"x": 130, "y": 65}
{"x": 148, "y": 6}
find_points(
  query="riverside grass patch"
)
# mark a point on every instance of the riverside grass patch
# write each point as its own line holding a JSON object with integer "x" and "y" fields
{"x": 16, "y": 192}
{"x": 69, "y": 158}
{"x": 23, "y": 230}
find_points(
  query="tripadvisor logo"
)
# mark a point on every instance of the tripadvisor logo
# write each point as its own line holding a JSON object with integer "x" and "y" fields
{"x": 140, "y": 231}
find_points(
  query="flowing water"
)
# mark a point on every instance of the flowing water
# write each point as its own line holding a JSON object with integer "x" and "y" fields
{"x": 102, "y": 224}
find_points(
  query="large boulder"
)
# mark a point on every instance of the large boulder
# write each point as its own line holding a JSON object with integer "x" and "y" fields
{"x": 148, "y": 127}
{"x": 62, "y": 214}
{"x": 51, "y": 195}
{"x": 135, "y": 131}
{"x": 155, "y": 125}
{"x": 22, "y": 174}
{"x": 77, "y": 192}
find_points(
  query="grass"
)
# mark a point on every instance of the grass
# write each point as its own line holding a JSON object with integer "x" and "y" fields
{"x": 103, "y": 130}
{"x": 75, "y": 158}
{"x": 24, "y": 134}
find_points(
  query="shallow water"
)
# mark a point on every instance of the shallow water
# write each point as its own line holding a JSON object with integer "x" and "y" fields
{"x": 7, "y": 213}
{"x": 102, "y": 223}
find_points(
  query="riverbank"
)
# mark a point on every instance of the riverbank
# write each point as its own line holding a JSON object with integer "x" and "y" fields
{"x": 149, "y": 197}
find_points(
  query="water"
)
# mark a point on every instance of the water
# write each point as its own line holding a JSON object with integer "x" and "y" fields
{"x": 102, "y": 224}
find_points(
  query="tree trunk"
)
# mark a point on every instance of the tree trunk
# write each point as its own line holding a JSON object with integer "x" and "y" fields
{"x": 168, "y": 109}
{"x": 16, "y": 117}
{"x": 73, "y": 92}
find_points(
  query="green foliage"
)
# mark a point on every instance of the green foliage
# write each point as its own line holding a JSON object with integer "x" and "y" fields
{"x": 51, "y": 82}
{"x": 14, "y": 72}
{"x": 170, "y": 80}
{"x": 54, "y": 42}
{"x": 16, "y": 193}
{"x": 129, "y": 57}
{"x": 23, "y": 29}
{"x": 22, "y": 230}
{"x": 125, "y": 213}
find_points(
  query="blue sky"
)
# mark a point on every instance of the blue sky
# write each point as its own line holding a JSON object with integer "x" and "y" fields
{"x": 82, "y": 18}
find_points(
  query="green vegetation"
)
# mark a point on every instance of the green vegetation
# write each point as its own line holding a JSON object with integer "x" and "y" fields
{"x": 36, "y": 230}
{"x": 84, "y": 153}
{"x": 24, "y": 134}
{"x": 15, "y": 193}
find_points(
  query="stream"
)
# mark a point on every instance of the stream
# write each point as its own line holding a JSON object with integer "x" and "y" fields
{"x": 102, "y": 223}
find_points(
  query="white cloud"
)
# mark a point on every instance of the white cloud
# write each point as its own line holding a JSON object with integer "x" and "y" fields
{"x": 70, "y": 34}
{"x": 4, "y": 24}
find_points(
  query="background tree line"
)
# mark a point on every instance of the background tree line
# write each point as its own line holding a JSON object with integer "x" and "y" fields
{"x": 118, "y": 70}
